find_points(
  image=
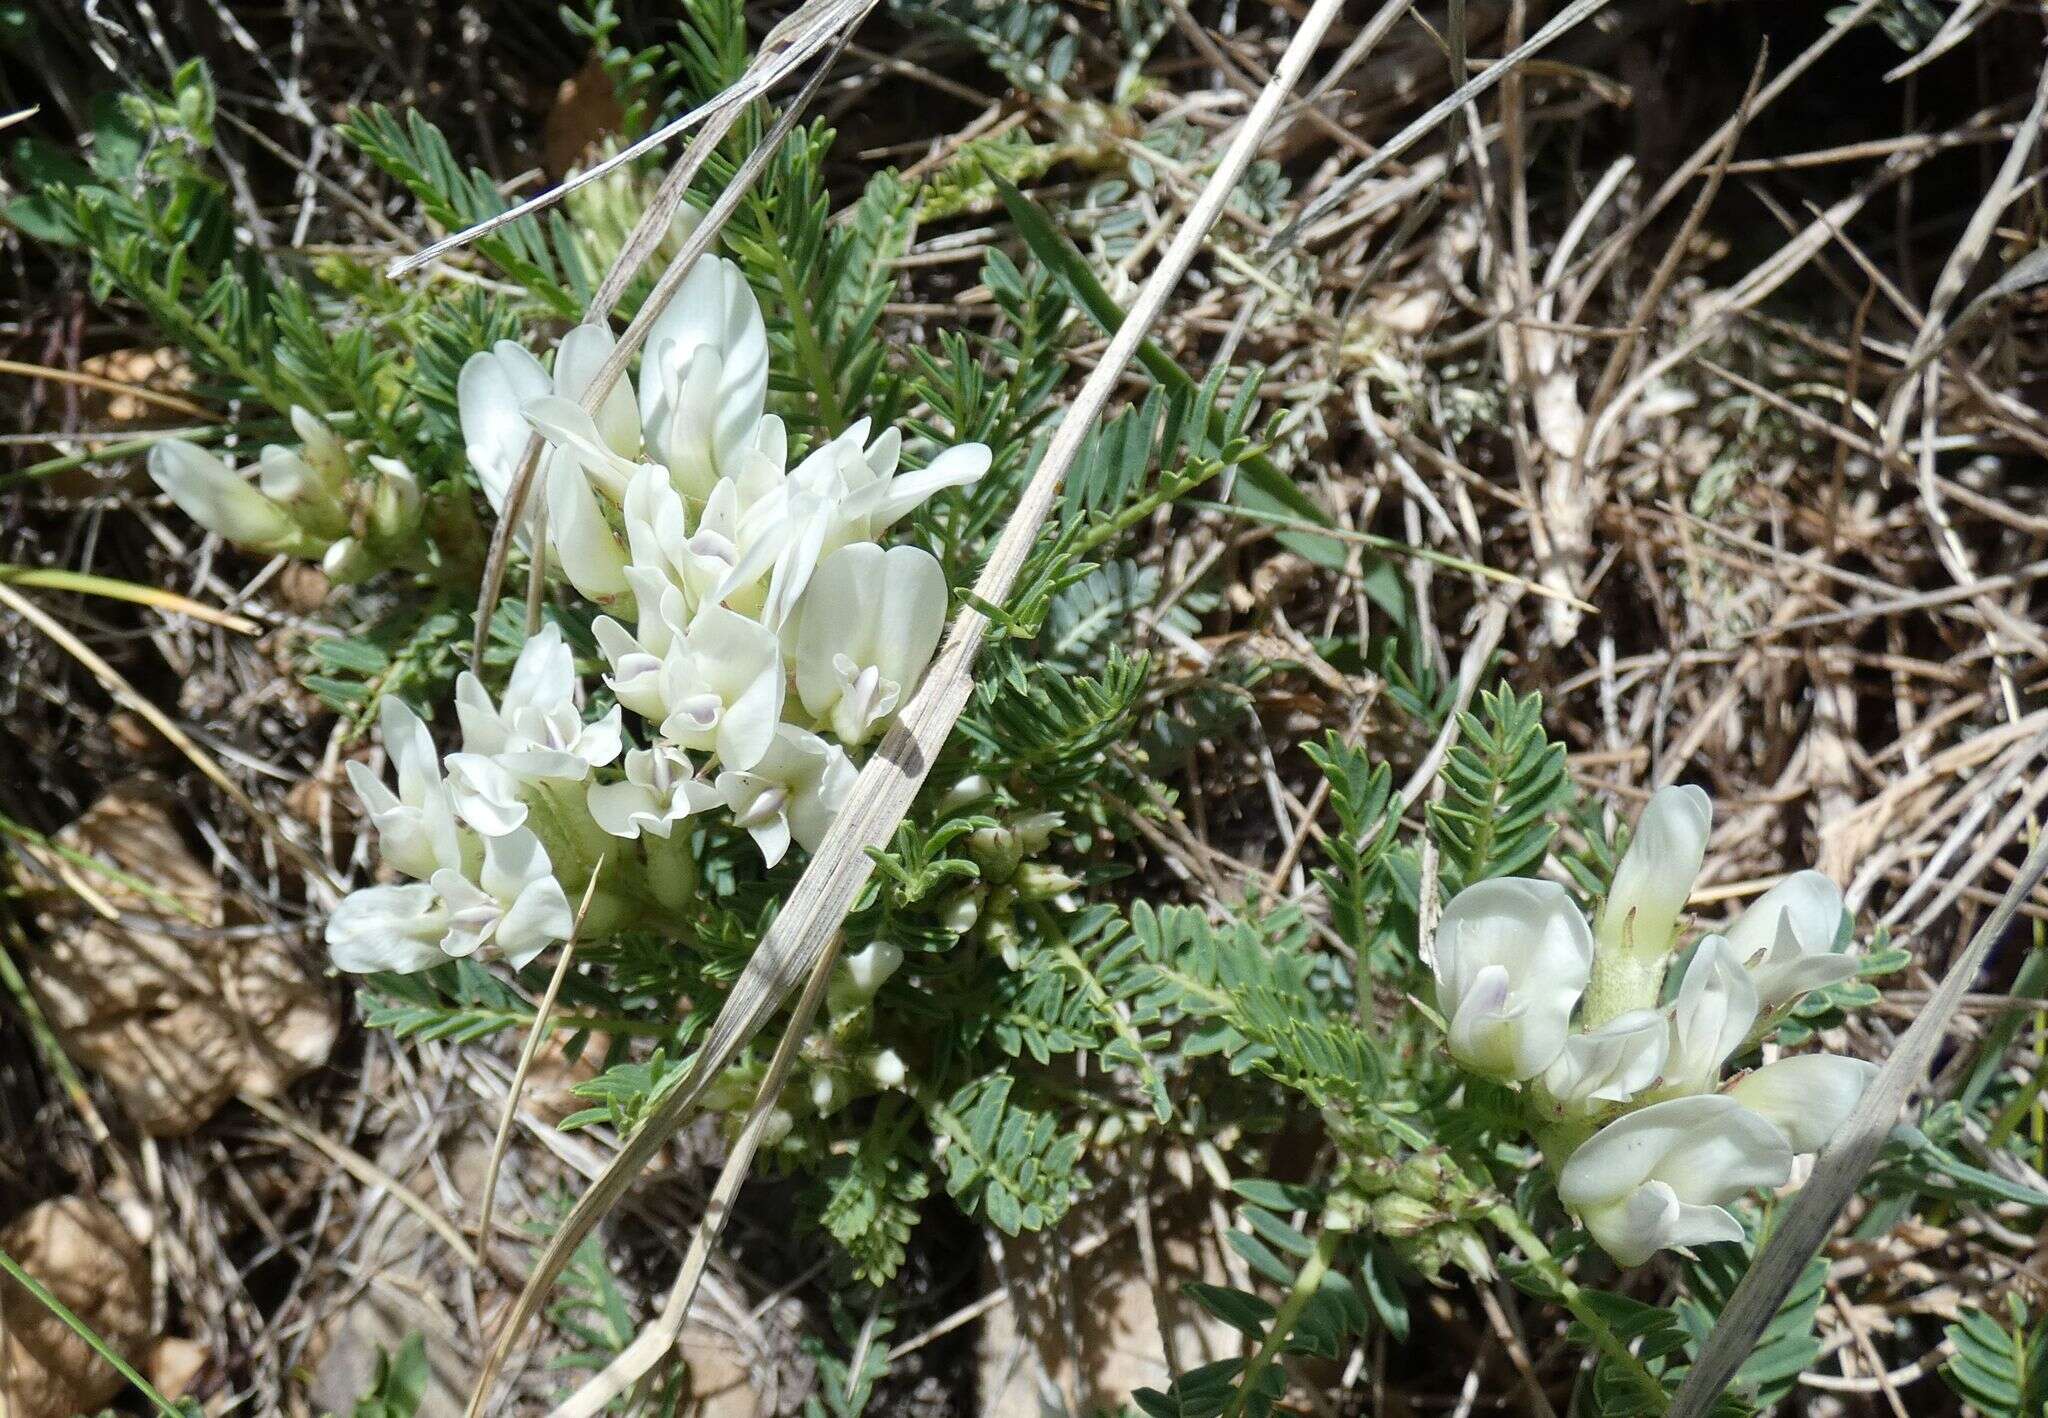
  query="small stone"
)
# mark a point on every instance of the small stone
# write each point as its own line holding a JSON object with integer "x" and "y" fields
{"x": 80, "y": 1251}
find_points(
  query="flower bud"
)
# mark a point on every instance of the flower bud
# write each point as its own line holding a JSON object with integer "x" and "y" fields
{"x": 870, "y": 968}
{"x": 962, "y": 909}
{"x": 322, "y": 448}
{"x": 999, "y": 931}
{"x": 1397, "y": 1215}
{"x": 1424, "y": 1177}
{"x": 997, "y": 850}
{"x": 824, "y": 1092}
{"x": 347, "y": 561}
{"x": 1657, "y": 872}
{"x": 1464, "y": 1248}
{"x": 887, "y": 1070}
{"x": 1040, "y": 881}
{"x": 1034, "y": 830}
{"x": 395, "y": 505}
{"x": 965, "y": 792}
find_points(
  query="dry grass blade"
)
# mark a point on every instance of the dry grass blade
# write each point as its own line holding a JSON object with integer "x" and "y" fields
{"x": 639, "y": 244}
{"x": 155, "y": 597}
{"x": 657, "y": 1339}
{"x": 526, "y": 1056}
{"x": 126, "y": 693}
{"x": 1804, "y": 1223}
{"x": 1337, "y": 192}
{"x": 808, "y": 922}
{"x": 104, "y": 385}
{"x": 366, "y": 1172}
{"x": 814, "y": 25}
{"x": 1955, "y": 272}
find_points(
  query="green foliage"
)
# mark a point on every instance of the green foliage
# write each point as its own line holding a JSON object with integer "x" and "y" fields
{"x": 1025, "y": 41}
{"x": 1356, "y": 881}
{"x": 1323, "y": 1313}
{"x": 851, "y": 1366}
{"x": 1058, "y": 728}
{"x": 1826, "y": 1007}
{"x": 1786, "y": 1348}
{"x": 2001, "y": 1370}
{"x": 414, "y": 152}
{"x": 1923, "y": 1161}
{"x": 398, "y": 1383}
{"x": 1005, "y": 1158}
{"x": 1503, "y": 783}
{"x": 872, "y": 1204}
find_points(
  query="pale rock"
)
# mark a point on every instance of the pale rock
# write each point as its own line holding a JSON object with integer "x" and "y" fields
{"x": 179, "y": 1018}
{"x": 82, "y": 1253}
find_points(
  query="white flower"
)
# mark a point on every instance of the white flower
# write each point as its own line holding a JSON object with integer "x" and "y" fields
{"x": 537, "y": 734}
{"x": 512, "y": 912}
{"x": 636, "y": 657}
{"x": 1611, "y": 1064}
{"x": 213, "y": 495}
{"x": 847, "y": 491}
{"x": 704, "y": 377}
{"x": 585, "y": 548}
{"x": 870, "y": 622}
{"x": 416, "y": 825}
{"x": 660, "y": 790}
{"x": 1665, "y": 1175}
{"x": 1787, "y": 939}
{"x": 1657, "y": 872}
{"x": 722, "y": 687}
{"x": 664, "y": 550}
{"x": 1712, "y": 1015}
{"x": 793, "y": 791}
{"x": 1809, "y": 1096}
{"x": 1511, "y": 957}
{"x": 494, "y": 396}
{"x": 494, "y": 385}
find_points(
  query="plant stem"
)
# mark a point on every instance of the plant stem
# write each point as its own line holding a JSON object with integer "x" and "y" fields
{"x": 84, "y": 1331}
{"x": 1510, "y": 1224}
{"x": 1306, "y": 1283}
{"x": 804, "y": 337}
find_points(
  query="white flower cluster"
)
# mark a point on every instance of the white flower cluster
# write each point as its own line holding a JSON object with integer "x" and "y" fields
{"x": 1532, "y": 994}
{"x": 770, "y": 633}
{"x": 307, "y": 501}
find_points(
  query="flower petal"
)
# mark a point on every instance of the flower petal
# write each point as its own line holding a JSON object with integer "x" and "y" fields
{"x": 1808, "y": 1096}
{"x": 1657, "y": 872}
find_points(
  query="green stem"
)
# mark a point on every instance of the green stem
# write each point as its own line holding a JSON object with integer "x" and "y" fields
{"x": 85, "y": 1332}
{"x": 48, "y": 467}
{"x": 1510, "y": 1224}
{"x": 803, "y": 334}
{"x": 1306, "y": 1283}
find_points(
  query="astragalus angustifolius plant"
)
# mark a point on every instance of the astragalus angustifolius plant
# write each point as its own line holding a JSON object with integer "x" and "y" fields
{"x": 1459, "y": 1036}
{"x": 770, "y": 633}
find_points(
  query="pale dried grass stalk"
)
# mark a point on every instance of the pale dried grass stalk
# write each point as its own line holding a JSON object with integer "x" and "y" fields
{"x": 811, "y": 27}
{"x": 796, "y": 944}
